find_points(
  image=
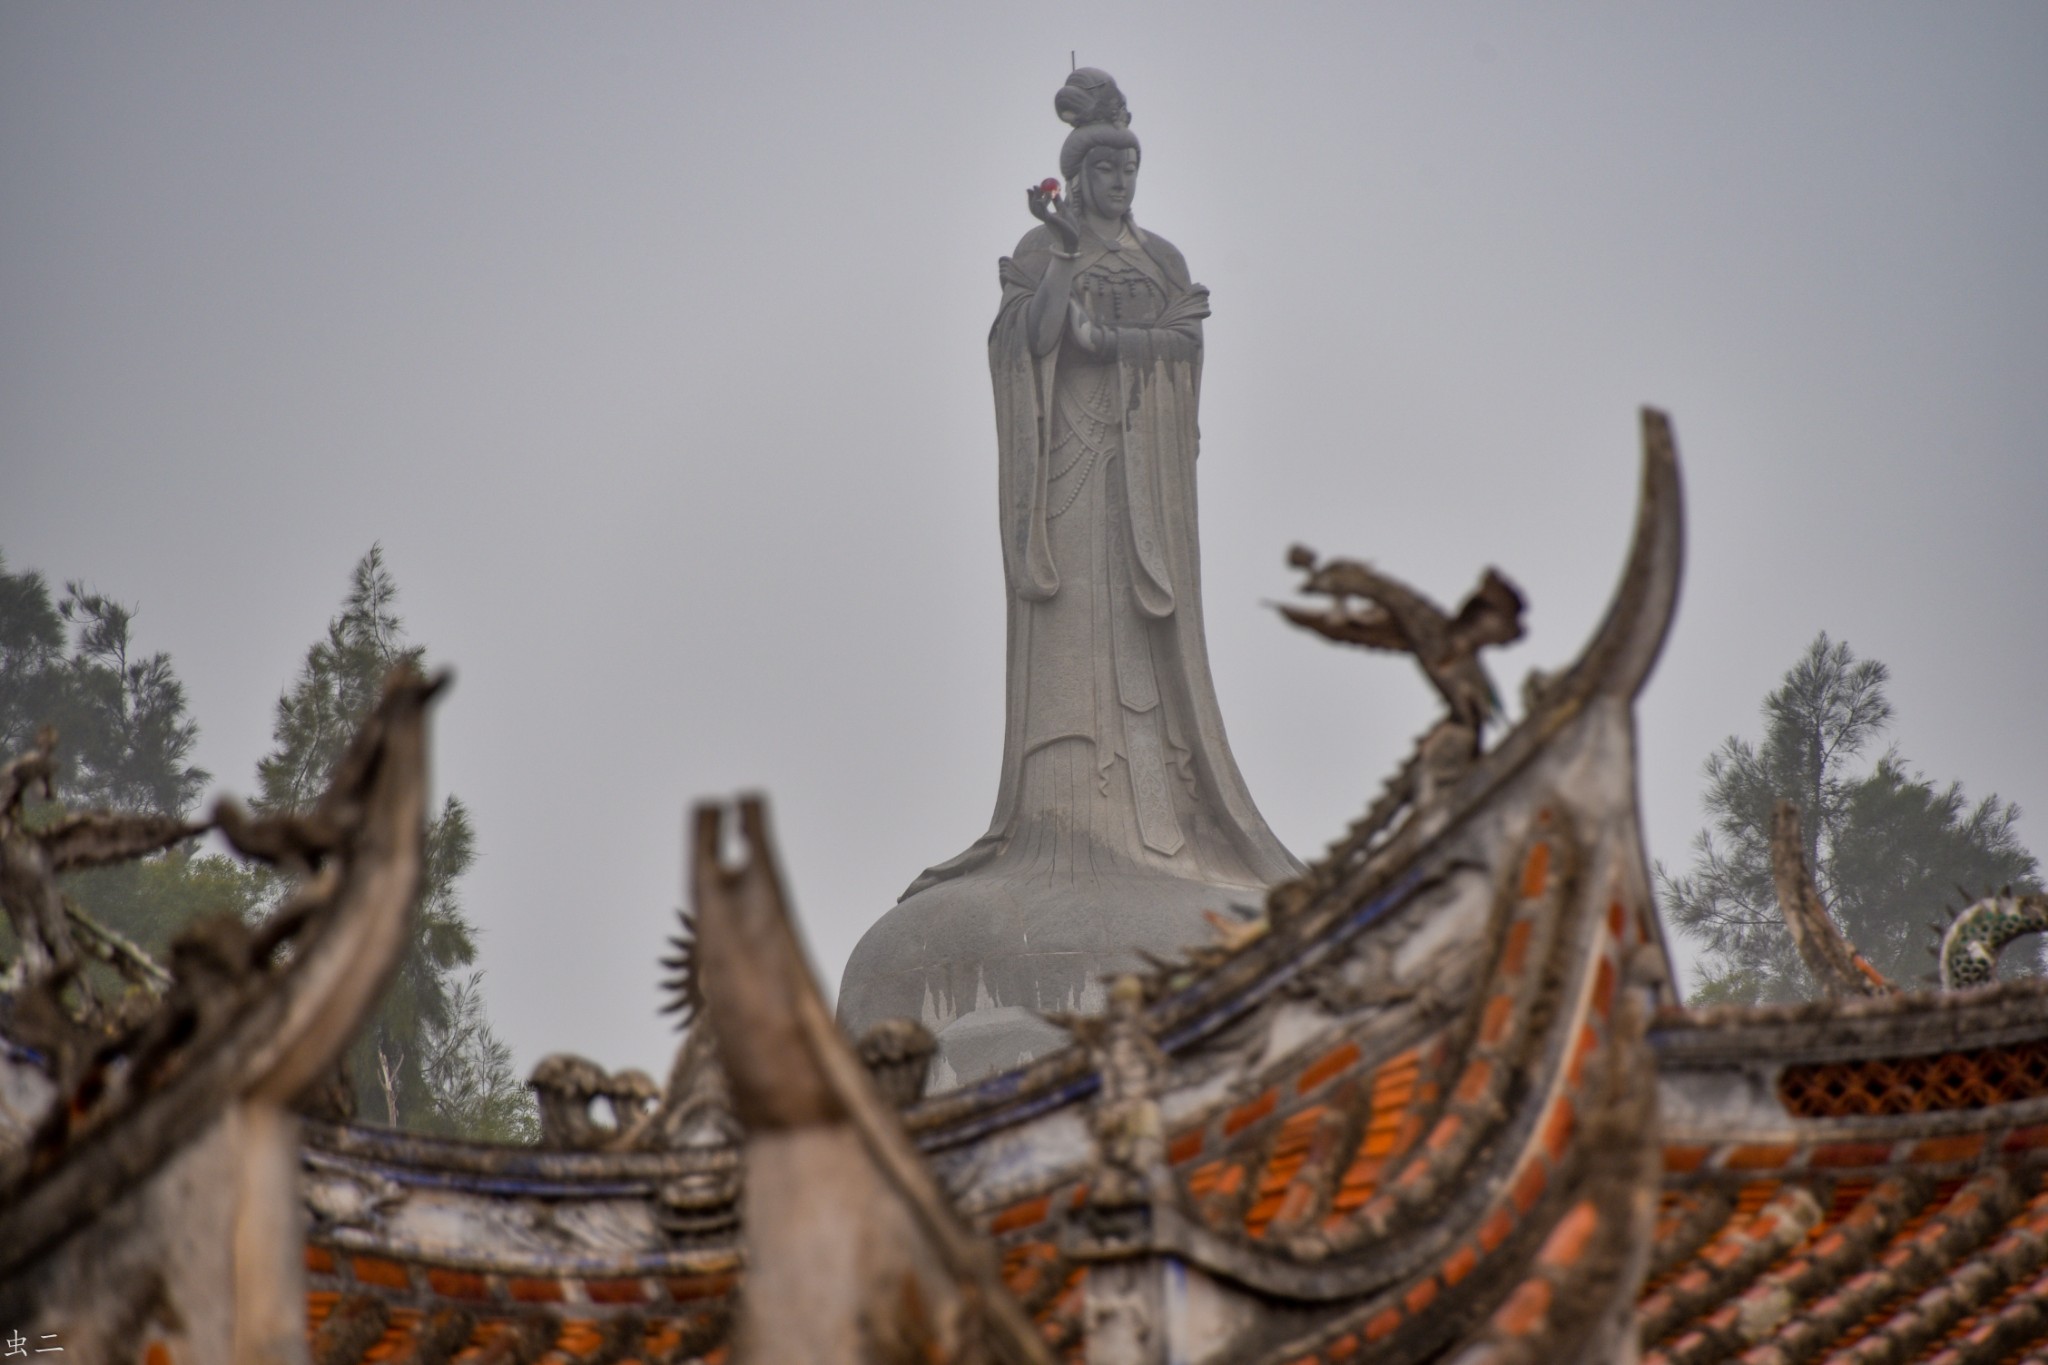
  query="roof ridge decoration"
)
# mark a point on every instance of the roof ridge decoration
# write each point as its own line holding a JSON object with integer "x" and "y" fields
{"x": 1837, "y": 968}
{"x": 843, "y": 1216}
{"x": 1365, "y": 874}
{"x": 153, "y": 1206}
{"x": 1252, "y": 1138}
{"x": 1414, "y": 1111}
{"x": 1970, "y": 945}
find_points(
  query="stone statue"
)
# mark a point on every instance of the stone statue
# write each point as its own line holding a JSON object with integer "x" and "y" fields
{"x": 1120, "y": 815}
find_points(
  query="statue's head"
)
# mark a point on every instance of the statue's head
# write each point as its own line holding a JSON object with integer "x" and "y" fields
{"x": 1100, "y": 158}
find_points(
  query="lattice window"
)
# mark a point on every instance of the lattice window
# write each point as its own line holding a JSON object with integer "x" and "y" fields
{"x": 1975, "y": 1079}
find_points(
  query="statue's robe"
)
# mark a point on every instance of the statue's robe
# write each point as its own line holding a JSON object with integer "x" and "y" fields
{"x": 1120, "y": 814}
{"x": 1101, "y": 557}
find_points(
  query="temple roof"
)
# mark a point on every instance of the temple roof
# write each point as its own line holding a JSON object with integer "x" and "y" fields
{"x": 1436, "y": 1103}
{"x": 1878, "y": 1203}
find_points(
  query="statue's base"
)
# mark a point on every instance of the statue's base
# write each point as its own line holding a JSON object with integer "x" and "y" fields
{"x": 976, "y": 959}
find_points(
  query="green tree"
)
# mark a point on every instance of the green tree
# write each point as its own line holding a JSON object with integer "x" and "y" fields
{"x": 426, "y": 1059}
{"x": 1887, "y": 847}
{"x": 469, "y": 1070}
{"x": 123, "y": 730}
{"x": 132, "y": 731}
{"x": 32, "y": 640}
{"x": 124, "y": 737}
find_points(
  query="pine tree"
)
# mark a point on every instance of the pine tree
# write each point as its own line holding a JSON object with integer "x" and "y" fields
{"x": 1905, "y": 848}
{"x": 336, "y": 687}
{"x": 426, "y": 1059}
{"x": 469, "y": 1071}
{"x": 32, "y": 642}
{"x": 1888, "y": 849}
{"x": 123, "y": 730}
{"x": 123, "y": 739}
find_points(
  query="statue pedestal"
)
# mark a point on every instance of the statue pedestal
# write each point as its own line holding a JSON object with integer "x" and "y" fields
{"x": 975, "y": 959}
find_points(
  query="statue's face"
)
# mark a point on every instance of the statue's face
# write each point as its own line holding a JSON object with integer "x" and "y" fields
{"x": 1110, "y": 176}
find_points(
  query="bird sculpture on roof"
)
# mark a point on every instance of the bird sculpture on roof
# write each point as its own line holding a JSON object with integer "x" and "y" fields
{"x": 1397, "y": 618}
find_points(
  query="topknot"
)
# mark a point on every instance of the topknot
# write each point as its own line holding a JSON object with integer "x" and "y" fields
{"x": 1091, "y": 96}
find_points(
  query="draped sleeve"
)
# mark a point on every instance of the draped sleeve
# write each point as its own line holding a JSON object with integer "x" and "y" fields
{"x": 1023, "y": 388}
{"x": 1160, "y": 367}
{"x": 1157, "y": 695}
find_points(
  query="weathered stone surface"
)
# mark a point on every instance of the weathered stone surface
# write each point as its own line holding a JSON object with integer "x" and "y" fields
{"x": 1120, "y": 814}
{"x": 977, "y": 957}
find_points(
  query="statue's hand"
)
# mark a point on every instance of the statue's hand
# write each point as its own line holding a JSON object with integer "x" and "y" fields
{"x": 1054, "y": 211}
{"x": 1090, "y": 335}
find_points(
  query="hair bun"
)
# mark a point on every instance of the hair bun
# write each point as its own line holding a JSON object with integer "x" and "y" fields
{"x": 1091, "y": 96}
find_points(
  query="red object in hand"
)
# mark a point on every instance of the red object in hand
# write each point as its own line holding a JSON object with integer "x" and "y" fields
{"x": 1049, "y": 187}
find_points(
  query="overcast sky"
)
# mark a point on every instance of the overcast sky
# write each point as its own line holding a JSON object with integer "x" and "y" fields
{"x": 649, "y": 341}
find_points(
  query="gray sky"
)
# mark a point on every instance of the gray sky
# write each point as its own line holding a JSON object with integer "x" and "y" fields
{"x": 648, "y": 339}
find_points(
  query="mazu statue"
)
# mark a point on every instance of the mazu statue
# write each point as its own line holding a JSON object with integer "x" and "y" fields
{"x": 1120, "y": 816}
